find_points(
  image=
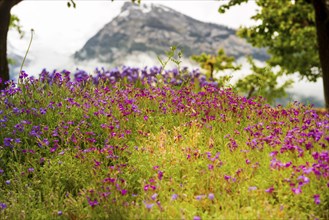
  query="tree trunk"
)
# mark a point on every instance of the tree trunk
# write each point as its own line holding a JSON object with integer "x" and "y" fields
{"x": 321, "y": 8}
{"x": 5, "y": 7}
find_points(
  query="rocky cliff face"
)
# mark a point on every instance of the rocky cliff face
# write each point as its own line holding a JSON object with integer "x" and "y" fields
{"x": 154, "y": 28}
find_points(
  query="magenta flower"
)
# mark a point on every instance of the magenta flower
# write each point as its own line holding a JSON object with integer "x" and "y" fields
{"x": 297, "y": 190}
{"x": 227, "y": 177}
{"x": 269, "y": 190}
{"x": 196, "y": 218}
{"x": 146, "y": 187}
{"x": 124, "y": 192}
{"x": 316, "y": 199}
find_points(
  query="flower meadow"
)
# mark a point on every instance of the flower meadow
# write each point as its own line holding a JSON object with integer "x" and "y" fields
{"x": 147, "y": 143}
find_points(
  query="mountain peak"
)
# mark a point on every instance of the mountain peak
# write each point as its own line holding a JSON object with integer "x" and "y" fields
{"x": 130, "y": 6}
{"x": 150, "y": 28}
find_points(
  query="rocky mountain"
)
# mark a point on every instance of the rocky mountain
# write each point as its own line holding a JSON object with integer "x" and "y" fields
{"x": 154, "y": 28}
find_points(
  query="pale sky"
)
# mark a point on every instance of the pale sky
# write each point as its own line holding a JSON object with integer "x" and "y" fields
{"x": 57, "y": 26}
{"x": 61, "y": 31}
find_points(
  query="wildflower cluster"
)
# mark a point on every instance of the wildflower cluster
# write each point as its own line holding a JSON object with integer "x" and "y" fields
{"x": 138, "y": 143}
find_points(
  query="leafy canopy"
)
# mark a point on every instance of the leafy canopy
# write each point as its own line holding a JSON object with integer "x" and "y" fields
{"x": 287, "y": 29}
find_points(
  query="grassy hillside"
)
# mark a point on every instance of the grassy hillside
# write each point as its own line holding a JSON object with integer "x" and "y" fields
{"x": 127, "y": 144}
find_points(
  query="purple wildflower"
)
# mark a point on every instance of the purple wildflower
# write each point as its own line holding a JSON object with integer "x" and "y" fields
{"x": 93, "y": 203}
{"x": 17, "y": 140}
{"x": 160, "y": 175}
{"x": 3, "y": 205}
{"x": 43, "y": 111}
{"x": 7, "y": 142}
{"x": 7, "y": 182}
{"x": 196, "y": 218}
{"x": 316, "y": 199}
{"x": 59, "y": 213}
{"x": 148, "y": 205}
{"x": 211, "y": 196}
{"x": 174, "y": 197}
{"x": 154, "y": 196}
{"x": 31, "y": 170}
